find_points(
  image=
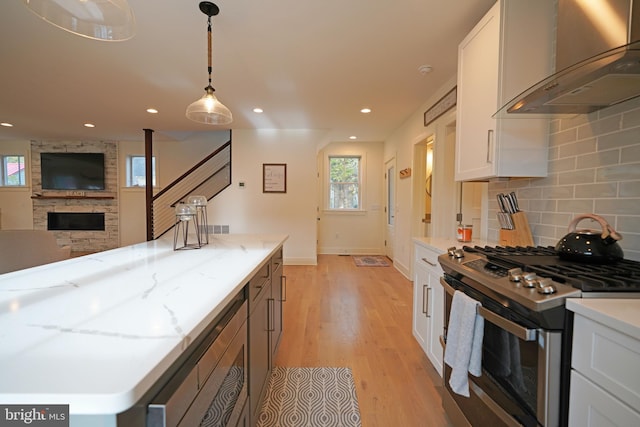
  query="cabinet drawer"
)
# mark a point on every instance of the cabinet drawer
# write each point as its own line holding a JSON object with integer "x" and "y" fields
{"x": 259, "y": 282}
{"x": 591, "y": 406}
{"x": 608, "y": 358}
{"x": 426, "y": 257}
{"x": 277, "y": 260}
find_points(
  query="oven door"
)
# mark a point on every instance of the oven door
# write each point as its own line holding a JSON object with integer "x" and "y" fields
{"x": 520, "y": 381}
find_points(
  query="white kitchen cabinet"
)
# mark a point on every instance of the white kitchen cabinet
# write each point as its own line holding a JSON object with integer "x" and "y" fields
{"x": 428, "y": 304}
{"x": 605, "y": 382}
{"x": 508, "y": 51}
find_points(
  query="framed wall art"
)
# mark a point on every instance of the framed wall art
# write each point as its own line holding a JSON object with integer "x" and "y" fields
{"x": 274, "y": 177}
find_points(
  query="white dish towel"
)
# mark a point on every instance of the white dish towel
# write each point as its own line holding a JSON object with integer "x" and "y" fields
{"x": 463, "y": 352}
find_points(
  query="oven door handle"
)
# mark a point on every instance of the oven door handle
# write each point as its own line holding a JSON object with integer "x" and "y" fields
{"x": 521, "y": 332}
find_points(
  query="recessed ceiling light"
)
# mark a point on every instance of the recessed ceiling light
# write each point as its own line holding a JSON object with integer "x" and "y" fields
{"x": 89, "y": 125}
{"x": 152, "y": 111}
{"x": 365, "y": 110}
{"x": 353, "y": 137}
{"x": 5, "y": 124}
{"x": 258, "y": 110}
{"x": 425, "y": 69}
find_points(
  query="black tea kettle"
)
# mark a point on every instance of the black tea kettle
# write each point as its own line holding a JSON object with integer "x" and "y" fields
{"x": 598, "y": 246}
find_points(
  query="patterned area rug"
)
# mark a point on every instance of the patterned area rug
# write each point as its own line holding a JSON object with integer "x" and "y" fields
{"x": 371, "y": 261}
{"x": 310, "y": 397}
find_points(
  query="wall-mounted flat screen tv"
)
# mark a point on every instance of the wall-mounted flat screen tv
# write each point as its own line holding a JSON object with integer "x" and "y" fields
{"x": 72, "y": 171}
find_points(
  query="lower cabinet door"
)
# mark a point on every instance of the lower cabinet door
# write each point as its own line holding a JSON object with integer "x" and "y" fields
{"x": 259, "y": 353}
{"x": 277, "y": 295}
{"x": 435, "y": 353}
{"x": 420, "y": 307}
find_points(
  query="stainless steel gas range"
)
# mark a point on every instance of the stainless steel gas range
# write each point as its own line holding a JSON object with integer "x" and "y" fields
{"x": 526, "y": 345}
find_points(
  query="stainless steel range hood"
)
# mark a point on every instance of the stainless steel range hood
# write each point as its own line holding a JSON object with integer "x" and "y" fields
{"x": 598, "y": 55}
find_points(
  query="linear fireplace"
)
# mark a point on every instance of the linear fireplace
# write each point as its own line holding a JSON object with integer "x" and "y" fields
{"x": 92, "y": 221}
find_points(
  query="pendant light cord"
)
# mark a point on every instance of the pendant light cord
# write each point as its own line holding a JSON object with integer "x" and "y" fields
{"x": 209, "y": 48}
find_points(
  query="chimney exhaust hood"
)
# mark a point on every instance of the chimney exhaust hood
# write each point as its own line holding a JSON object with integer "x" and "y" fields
{"x": 598, "y": 55}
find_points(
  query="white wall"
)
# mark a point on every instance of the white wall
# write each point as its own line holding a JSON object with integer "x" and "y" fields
{"x": 359, "y": 232}
{"x": 249, "y": 210}
{"x": 401, "y": 146}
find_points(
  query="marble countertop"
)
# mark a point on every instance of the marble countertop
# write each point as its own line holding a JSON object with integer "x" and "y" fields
{"x": 95, "y": 332}
{"x": 622, "y": 315}
{"x": 441, "y": 244}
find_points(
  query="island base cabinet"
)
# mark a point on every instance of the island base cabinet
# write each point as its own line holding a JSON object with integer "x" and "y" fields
{"x": 267, "y": 293}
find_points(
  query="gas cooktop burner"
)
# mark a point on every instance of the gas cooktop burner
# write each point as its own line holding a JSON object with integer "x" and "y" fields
{"x": 622, "y": 276}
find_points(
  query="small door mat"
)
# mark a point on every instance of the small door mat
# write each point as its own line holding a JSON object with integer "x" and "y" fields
{"x": 371, "y": 261}
{"x": 310, "y": 397}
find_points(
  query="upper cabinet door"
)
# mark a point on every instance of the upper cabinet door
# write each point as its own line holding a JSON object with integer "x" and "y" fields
{"x": 505, "y": 53}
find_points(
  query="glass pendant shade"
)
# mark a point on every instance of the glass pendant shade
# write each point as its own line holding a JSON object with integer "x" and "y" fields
{"x": 209, "y": 110}
{"x": 185, "y": 212}
{"x": 110, "y": 20}
{"x": 197, "y": 200}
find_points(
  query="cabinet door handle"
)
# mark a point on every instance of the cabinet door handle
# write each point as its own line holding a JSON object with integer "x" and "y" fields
{"x": 283, "y": 287}
{"x": 425, "y": 300}
{"x": 270, "y": 311}
{"x": 429, "y": 262}
{"x": 490, "y": 146}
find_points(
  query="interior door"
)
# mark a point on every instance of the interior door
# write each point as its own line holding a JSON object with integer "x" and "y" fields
{"x": 390, "y": 208}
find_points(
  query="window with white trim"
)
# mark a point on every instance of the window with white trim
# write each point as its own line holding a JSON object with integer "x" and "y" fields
{"x": 12, "y": 171}
{"x": 345, "y": 182}
{"x": 136, "y": 176}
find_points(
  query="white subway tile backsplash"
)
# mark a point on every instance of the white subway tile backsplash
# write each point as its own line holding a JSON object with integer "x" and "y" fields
{"x": 577, "y": 177}
{"x": 630, "y": 155}
{"x": 628, "y": 224}
{"x": 630, "y": 189}
{"x": 631, "y": 119}
{"x": 602, "y": 158}
{"x": 600, "y": 127}
{"x": 623, "y": 172}
{"x": 617, "y": 206}
{"x": 559, "y": 192}
{"x": 563, "y": 137}
{"x": 575, "y": 206}
{"x": 562, "y": 165}
{"x": 576, "y": 148}
{"x": 557, "y": 219}
{"x": 595, "y": 191}
{"x": 620, "y": 139}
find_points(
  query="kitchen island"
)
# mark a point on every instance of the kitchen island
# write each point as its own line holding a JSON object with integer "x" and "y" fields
{"x": 96, "y": 332}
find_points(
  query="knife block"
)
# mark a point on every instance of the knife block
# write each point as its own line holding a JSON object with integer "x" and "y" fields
{"x": 521, "y": 233}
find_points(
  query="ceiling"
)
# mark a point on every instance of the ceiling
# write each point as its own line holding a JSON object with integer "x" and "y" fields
{"x": 307, "y": 64}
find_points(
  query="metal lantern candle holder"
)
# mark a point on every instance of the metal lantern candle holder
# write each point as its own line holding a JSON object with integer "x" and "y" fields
{"x": 185, "y": 214}
{"x": 200, "y": 203}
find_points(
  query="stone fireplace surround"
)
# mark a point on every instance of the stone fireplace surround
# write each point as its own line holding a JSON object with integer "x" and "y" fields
{"x": 78, "y": 202}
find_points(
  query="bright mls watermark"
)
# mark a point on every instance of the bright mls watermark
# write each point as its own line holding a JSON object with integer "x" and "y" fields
{"x": 34, "y": 415}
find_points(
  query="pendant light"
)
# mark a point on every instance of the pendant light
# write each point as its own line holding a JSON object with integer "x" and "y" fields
{"x": 208, "y": 109}
{"x": 109, "y": 20}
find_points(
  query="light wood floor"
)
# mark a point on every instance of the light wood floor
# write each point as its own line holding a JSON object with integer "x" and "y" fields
{"x": 337, "y": 314}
